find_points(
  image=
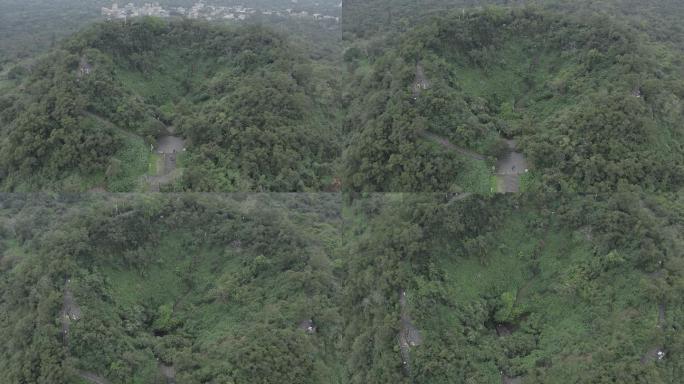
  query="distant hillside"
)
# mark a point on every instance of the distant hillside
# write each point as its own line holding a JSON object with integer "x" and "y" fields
{"x": 658, "y": 18}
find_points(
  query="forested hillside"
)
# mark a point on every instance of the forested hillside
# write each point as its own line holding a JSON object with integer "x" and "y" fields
{"x": 660, "y": 19}
{"x": 425, "y": 288}
{"x": 255, "y": 112}
{"x": 447, "y": 192}
{"x": 591, "y": 105}
{"x": 515, "y": 289}
{"x": 198, "y": 289}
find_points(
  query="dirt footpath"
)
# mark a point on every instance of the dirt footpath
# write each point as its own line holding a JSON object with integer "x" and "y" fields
{"x": 168, "y": 147}
{"x": 509, "y": 168}
{"x": 70, "y": 312}
{"x": 409, "y": 336}
{"x": 448, "y": 145}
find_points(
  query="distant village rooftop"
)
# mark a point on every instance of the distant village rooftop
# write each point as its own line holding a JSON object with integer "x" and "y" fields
{"x": 206, "y": 12}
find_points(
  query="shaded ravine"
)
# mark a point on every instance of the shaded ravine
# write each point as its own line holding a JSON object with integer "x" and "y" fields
{"x": 505, "y": 330}
{"x": 72, "y": 312}
{"x": 409, "y": 336}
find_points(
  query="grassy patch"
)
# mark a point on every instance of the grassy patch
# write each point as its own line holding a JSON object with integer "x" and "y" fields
{"x": 153, "y": 164}
{"x": 134, "y": 160}
{"x": 475, "y": 177}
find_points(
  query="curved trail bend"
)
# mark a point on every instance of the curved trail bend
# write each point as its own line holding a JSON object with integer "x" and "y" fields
{"x": 508, "y": 168}
{"x": 168, "y": 146}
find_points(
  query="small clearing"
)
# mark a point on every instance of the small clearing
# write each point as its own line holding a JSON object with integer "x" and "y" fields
{"x": 509, "y": 168}
{"x": 170, "y": 145}
{"x": 421, "y": 82}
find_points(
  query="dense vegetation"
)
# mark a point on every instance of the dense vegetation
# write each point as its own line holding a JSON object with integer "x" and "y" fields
{"x": 221, "y": 288}
{"x": 544, "y": 289}
{"x": 215, "y": 287}
{"x": 660, "y": 19}
{"x": 256, "y": 112}
{"x": 593, "y": 106}
{"x": 418, "y": 272}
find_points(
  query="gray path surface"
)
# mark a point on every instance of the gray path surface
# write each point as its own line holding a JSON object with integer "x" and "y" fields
{"x": 509, "y": 168}
{"x": 169, "y": 373}
{"x": 421, "y": 82}
{"x": 409, "y": 336}
{"x": 70, "y": 312}
{"x": 170, "y": 144}
{"x": 92, "y": 377}
{"x": 168, "y": 147}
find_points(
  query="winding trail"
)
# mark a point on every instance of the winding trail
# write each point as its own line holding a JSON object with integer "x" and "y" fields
{"x": 112, "y": 126}
{"x": 446, "y": 144}
{"x": 72, "y": 312}
{"x": 409, "y": 336}
{"x": 508, "y": 168}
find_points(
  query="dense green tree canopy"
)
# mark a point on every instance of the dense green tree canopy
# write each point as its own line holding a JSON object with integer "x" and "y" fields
{"x": 256, "y": 112}
{"x": 592, "y": 105}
